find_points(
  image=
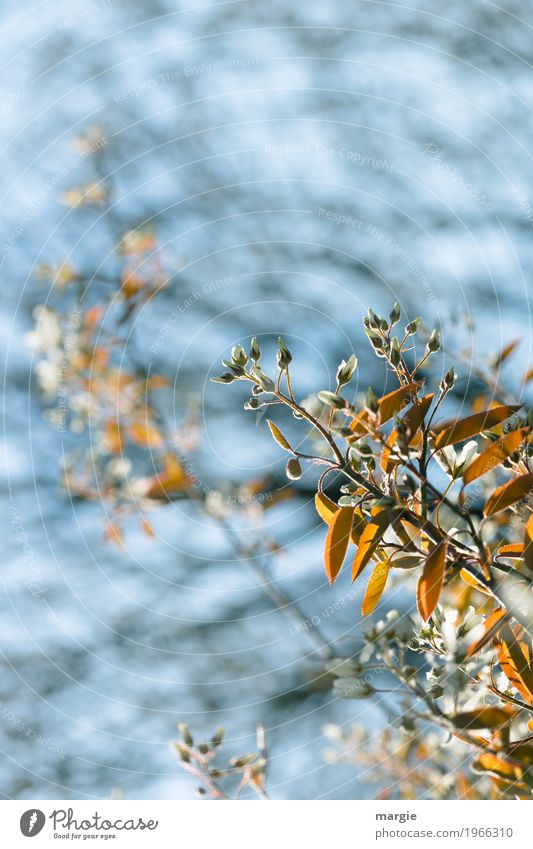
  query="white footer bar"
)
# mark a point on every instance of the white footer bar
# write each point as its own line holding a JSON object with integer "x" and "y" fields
{"x": 267, "y": 825}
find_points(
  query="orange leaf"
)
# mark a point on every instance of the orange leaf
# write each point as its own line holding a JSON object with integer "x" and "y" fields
{"x": 337, "y": 541}
{"x": 326, "y": 508}
{"x": 157, "y": 381}
{"x": 505, "y": 353}
{"x": 147, "y": 528}
{"x": 473, "y": 581}
{"x": 370, "y": 540}
{"x": 514, "y": 551}
{"x": 361, "y": 424}
{"x": 145, "y": 435}
{"x": 508, "y": 494}
{"x": 491, "y": 626}
{"x": 494, "y": 455}
{"x": 171, "y": 480}
{"x": 449, "y": 433}
{"x": 488, "y": 717}
{"x": 114, "y": 534}
{"x": 516, "y": 663}
{"x": 113, "y": 436}
{"x": 528, "y": 544}
{"x": 412, "y": 420}
{"x": 392, "y": 403}
{"x": 528, "y": 375}
{"x": 431, "y": 581}
{"x": 93, "y": 315}
{"x": 131, "y": 284}
{"x": 375, "y": 588}
{"x": 505, "y": 769}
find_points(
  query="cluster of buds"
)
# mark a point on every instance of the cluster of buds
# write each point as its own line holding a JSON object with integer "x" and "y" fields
{"x": 197, "y": 758}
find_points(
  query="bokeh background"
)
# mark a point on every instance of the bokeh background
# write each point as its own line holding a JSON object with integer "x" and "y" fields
{"x": 299, "y": 163}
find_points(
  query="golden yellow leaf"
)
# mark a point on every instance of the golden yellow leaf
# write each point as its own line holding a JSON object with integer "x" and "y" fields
{"x": 494, "y": 455}
{"x": 505, "y": 353}
{"x": 157, "y": 381}
{"x": 508, "y": 494}
{"x": 145, "y": 434}
{"x": 491, "y": 626}
{"x": 392, "y": 403}
{"x": 528, "y": 544}
{"x": 475, "y": 582}
{"x": 358, "y": 526}
{"x": 431, "y": 581}
{"x": 278, "y": 436}
{"x": 528, "y": 375}
{"x": 113, "y": 436}
{"x": 131, "y": 284}
{"x": 326, "y": 508}
{"x": 412, "y": 420}
{"x": 449, "y": 433}
{"x": 516, "y": 663}
{"x": 337, "y": 541}
{"x": 503, "y": 768}
{"x": 114, "y": 534}
{"x": 171, "y": 480}
{"x": 360, "y": 424}
{"x": 370, "y": 540}
{"x": 513, "y": 551}
{"x": 486, "y": 717}
{"x": 147, "y": 528}
{"x": 375, "y": 587}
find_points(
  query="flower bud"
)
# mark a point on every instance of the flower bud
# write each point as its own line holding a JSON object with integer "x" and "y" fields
{"x": 331, "y": 399}
{"x": 224, "y": 378}
{"x": 266, "y": 383}
{"x": 235, "y": 369}
{"x": 244, "y": 760}
{"x": 448, "y": 381}
{"x": 434, "y": 342}
{"x": 395, "y": 355}
{"x": 238, "y": 355}
{"x": 413, "y": 326}
{"x": 346, "y": 370}
{"x": 255, "y": 351}
{"x": 371, "y": 402}
{"x": 293, "y": 469}
{"x": 284, "y": 355}
{"x": 183, "y": 752}
{"x": 218, "y": 736}
{"x": 395, "y": 314}
{"x": 377, "y": 342}
{"x": 183, "y": 728}
{"x": 373, "y": 319}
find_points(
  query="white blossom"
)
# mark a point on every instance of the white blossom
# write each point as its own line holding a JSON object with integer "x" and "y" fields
{"x": 456, "y": 463}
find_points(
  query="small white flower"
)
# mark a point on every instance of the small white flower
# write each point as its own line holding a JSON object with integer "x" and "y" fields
{"x": 119, "y": 467}
{"x": 47, "y": 333}
{"x": 49, "y": 377}
{"x": 455, "y": 464}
